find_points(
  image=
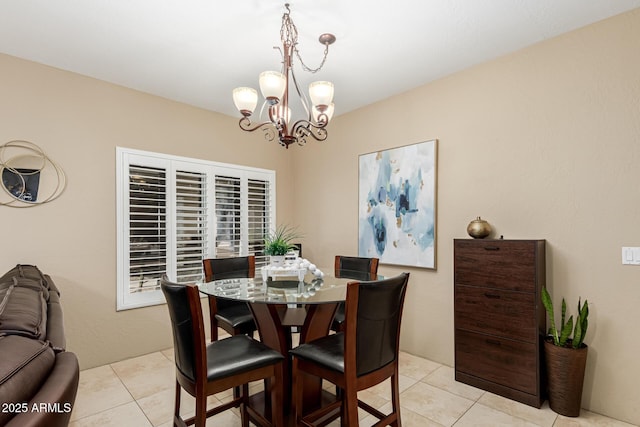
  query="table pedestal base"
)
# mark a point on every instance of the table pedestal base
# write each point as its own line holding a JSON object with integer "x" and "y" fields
{"x": 275, "y": 322}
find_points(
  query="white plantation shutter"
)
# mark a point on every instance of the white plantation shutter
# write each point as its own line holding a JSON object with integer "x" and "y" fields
{"x": 173, "y": 212}
{"x": 244, "y": 211}
{"x": 191, "y": 225}
{"x": 259, "y": 211}
{"x": 228, "y": 216}
{"x": 147, "y": 226}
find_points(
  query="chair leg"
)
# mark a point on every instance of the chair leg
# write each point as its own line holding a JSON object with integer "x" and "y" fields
{"x": 350, "y": 406}
{"x": 395, "y": 399}
{"x": 244, "y": 414}
{"x": 201, "y": 411}
{"x": 277, "y": 397}
{"x": 176, "y": 405}
{"x": 297, "y": 392}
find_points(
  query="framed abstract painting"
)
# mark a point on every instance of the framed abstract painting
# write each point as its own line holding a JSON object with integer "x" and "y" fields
{"x": 397, "y": 205}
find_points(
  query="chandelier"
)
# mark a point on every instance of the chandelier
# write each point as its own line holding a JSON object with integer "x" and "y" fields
{"x": 275, "y": 87}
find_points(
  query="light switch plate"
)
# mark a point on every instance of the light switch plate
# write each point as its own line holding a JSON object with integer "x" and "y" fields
{"x": 630, "y": 255}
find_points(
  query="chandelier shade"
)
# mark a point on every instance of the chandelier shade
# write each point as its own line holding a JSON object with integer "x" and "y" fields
{"x": 321, "y": 94}
{"x": 275, "y": 87}
{"x": 245, "y": 99}
{"x": 272, "y": 85}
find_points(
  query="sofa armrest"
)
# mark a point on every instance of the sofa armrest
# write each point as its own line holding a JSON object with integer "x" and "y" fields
{"x": 50, "y": 284}
{"x": 55, "y": 324}
{"x": 53, "y": 403}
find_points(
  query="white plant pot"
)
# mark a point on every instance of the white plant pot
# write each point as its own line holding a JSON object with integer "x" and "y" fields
{"x": 276, "y": 260}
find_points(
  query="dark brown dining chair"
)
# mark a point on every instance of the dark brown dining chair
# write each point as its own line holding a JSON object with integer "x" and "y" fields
{"x": 364, "y": 355}
{"x": 350, "y": 267}
{"x": 233, "y": 316}
{"x": 205, "y": 369}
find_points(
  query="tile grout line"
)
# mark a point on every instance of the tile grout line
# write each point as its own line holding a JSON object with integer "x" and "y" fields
{"x": 131, "y": 394}
{"x": 103, "y": 411}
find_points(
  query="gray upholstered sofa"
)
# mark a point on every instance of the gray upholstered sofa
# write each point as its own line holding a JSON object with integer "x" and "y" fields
{"x": 38, "y": 377}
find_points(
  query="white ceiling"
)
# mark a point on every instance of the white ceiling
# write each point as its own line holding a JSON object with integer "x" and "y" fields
{"x": 197, "y": 51}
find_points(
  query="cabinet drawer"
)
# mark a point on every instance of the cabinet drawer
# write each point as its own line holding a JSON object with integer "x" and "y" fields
{"x": 503, "y": 264}
{"x": 496, "y": 312}
{"x": 502, "y": 361}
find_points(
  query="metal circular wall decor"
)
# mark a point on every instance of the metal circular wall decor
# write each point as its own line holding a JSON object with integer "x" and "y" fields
{"x": 22, "y": 166}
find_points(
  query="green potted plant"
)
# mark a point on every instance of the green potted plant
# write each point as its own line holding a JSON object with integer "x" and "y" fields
{"x": 279, "y": 242}
{"x": 565, "y": 357}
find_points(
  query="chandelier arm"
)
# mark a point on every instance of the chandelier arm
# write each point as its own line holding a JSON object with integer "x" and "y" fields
{"x": 302, "y": 96}
{"x": 261, "y": 115}
{"x": 303, "y": 128}
{"x": 323, "y": 120}
{"x": 268, "y": 128}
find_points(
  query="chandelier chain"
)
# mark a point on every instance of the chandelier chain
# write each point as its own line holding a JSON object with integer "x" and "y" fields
{"x": 289, "y": 37}
{"x": 312, "y": 70}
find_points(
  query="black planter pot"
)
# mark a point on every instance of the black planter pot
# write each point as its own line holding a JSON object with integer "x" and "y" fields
{"x": 565, "y": 377}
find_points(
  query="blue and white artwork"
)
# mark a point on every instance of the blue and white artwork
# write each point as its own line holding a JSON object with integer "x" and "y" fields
{"x": 397, "y": 205}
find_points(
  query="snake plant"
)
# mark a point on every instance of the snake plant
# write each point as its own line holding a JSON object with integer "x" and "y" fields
{"x": 562, "y": 337}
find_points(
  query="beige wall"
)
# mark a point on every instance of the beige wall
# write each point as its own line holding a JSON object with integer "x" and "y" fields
{"x": 544, "y": 143}
{"x": 78, "y": 122}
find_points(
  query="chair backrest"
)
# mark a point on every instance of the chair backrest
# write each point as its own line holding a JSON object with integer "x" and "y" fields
{"x": 229, "y": 268}
{"x": 373, "y": 314}
{"x": 347, "y": 265}
{"x": 183, "y": 302}
{"x": 298, "y": 247}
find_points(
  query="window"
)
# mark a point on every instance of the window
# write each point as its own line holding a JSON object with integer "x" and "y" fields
{"x": 174, "y": 211}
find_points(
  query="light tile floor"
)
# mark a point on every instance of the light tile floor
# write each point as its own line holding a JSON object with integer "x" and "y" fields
{"x": 139, "y": 392}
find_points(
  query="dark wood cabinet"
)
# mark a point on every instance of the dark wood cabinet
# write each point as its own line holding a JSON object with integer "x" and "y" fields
{"x": 500, "y": 321}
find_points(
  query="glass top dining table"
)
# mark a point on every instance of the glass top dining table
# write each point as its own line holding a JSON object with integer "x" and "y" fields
{"x": 312, "y": 289}
{"x": 280, "y": 304}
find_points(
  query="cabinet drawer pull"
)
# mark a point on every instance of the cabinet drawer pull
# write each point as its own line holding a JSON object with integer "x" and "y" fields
{"x": 491, "y": 248}
{"x": 492, "y": 296}
{"x": 493, "y": 342}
